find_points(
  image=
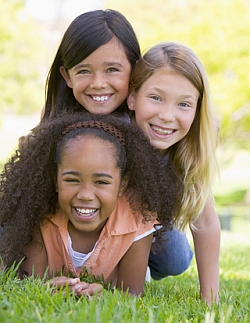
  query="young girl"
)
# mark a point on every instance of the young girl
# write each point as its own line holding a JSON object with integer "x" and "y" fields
{"x": 83, "y": 191}
{"x": 171, "y": 103}
{"x": 92, "y": 65}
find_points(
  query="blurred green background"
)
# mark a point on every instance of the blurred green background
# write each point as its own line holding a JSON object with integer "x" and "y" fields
{"x": 217, "y": 30}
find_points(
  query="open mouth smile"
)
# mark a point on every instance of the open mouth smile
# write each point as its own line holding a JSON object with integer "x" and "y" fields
{"x": 86, "y": 212}
{"x": 101, "y": 98}
{"x": 161, "y": 131}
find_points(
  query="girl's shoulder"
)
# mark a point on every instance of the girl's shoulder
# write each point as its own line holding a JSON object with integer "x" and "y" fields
{"x": 124, "y": 220}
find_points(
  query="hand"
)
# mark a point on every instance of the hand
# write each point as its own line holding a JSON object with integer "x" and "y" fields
{"x": 87, "y": 289}
{"x": 75, "y": 285}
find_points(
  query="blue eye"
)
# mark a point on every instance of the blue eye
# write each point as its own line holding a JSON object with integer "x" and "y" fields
{"x": 184, "y": 104}
{"x": 155, "y": 97}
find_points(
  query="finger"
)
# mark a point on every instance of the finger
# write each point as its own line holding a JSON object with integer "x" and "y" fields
{"x": 63, "y": 281}
{"x": 92, "y": 289}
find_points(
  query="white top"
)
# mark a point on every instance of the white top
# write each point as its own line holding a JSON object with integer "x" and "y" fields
{"x": 79, "y": 258}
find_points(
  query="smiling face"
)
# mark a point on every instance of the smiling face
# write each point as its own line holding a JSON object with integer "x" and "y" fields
{"x": 165, "y": 107}
{"x": 100, "y": 82}
{"x": 88, "y": 182}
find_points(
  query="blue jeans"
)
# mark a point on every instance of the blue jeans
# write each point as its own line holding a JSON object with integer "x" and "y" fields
{"x": 174, "y": 257}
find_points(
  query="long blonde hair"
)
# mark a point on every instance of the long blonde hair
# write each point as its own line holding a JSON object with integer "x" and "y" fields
{"x": 194, "y": 155}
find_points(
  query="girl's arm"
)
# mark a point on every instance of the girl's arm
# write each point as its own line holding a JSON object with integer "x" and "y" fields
{"x": 36, "y": 257}
{"x": 132, "y": 267}
{"x": 207, "y": 249}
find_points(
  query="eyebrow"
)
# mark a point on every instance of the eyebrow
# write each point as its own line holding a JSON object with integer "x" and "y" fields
{"x": 71, "y": 172}
{"x": 187, "y": 96}
{"x": 183, "y": 96}
{"x": 105, "y": 63}
{"x": 103, "y": 175}
{"x": 113, "y": 63}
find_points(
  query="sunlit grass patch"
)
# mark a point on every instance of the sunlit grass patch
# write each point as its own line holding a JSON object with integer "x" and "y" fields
{"x": 173, "y": 299}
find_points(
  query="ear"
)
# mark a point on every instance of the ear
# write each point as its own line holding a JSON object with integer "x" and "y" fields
{"x": 66, "y": 77}
{"x": 123, "y": 185}
{"x": 131, "y": 100}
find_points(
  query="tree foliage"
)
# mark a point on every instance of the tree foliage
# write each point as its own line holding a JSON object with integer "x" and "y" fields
{"x": 219, "y": 32}
{"x": 20, "y": 59}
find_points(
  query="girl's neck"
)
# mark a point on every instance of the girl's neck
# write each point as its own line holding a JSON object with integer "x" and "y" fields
{"x": 83, "y": 242}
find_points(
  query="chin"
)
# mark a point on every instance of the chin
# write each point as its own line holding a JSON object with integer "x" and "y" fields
{"x": 158, "y": 146}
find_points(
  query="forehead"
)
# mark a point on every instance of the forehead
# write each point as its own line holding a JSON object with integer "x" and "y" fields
{"x": 168, "y": 76}
{"x": 89, "y": 156}
{"x": 89, "y": 145}
{"x": 112, "y": 49}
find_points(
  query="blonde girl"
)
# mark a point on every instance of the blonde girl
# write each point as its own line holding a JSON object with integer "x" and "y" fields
{"x": 170, "y": 97}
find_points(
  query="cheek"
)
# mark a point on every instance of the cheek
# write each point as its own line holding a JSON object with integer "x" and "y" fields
{"x": 79, "y": 84}
{"x": 65, "y": 192}
{"x": 122, "y": 87}
{"x": 143, "y": 112}
{"x": 124, "y": 91}
{"x": 76, "y": 86}
{"x": 187, "y": 123}
{"x": 139, "y": 120}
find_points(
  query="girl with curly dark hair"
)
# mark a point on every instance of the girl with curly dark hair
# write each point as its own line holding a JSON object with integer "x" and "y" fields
{"x": 85, "y": 192}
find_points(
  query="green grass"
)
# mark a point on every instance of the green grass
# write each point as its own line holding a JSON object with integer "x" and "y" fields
{"x": 174, "y": 299}
{"x": 233, "y": 197}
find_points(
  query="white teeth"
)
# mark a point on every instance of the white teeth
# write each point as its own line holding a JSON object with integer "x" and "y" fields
{"x": 86, "y": 212}
{"x": 162, "y": 131}
{"x": 100, "y": 98}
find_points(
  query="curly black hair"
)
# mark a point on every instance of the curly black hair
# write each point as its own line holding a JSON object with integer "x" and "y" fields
{"x": 28, "y": 194}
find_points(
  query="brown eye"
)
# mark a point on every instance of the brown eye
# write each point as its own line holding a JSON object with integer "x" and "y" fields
{"x": 83, "y": 72}
{"x": 102, "y": 182}
{"x": 112, "y": 69}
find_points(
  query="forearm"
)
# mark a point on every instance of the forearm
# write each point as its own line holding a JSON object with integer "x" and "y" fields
{"x": 133, "y": 265}
{"x": 207, "y": 250}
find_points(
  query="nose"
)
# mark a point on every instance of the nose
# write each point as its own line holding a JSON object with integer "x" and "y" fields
{"x": 98, "y": 81}
{"x": 85, "y": 193}
{"x": 167, "y": 113}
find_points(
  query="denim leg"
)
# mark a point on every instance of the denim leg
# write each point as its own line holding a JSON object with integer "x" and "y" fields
{"x": 174, "y": 257}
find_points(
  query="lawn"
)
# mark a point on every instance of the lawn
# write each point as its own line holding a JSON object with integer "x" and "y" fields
{"x": 174, "y": 299}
